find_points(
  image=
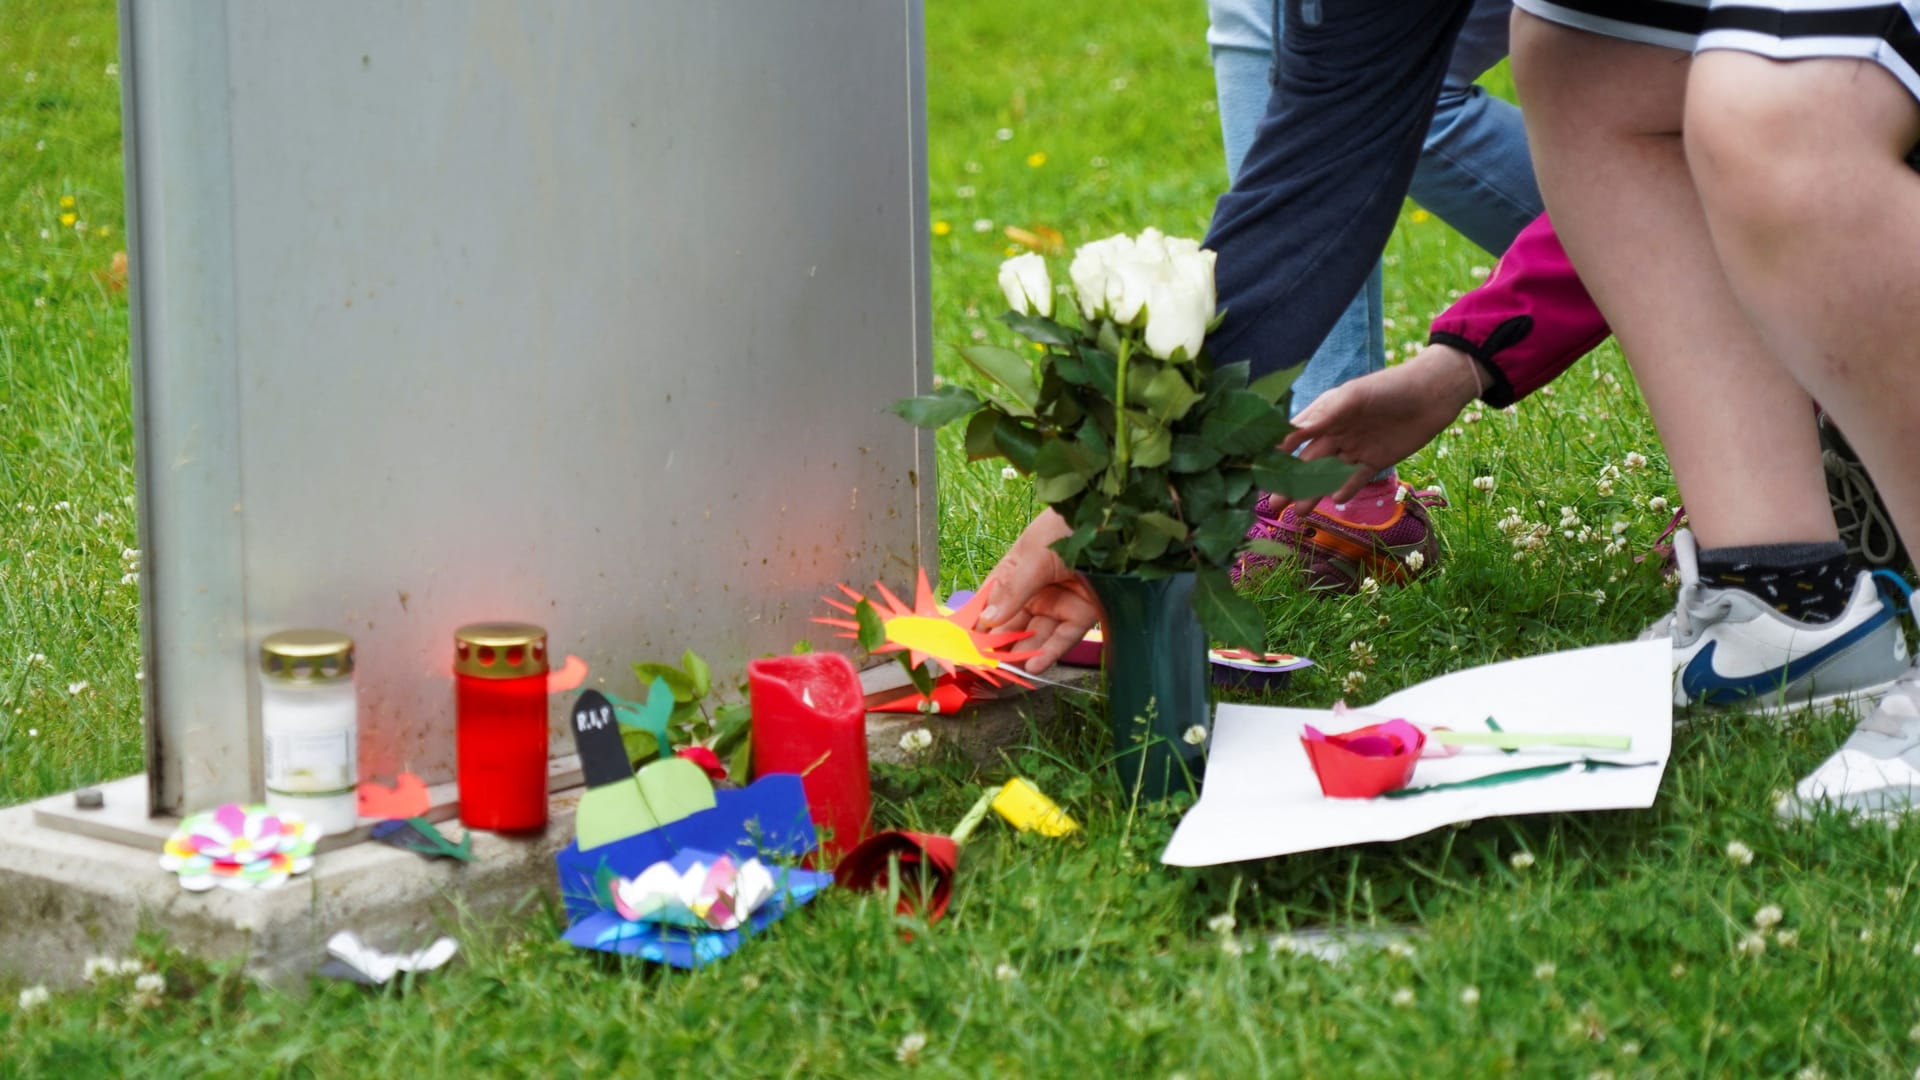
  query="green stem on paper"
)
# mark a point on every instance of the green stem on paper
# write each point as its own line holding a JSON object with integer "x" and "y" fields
{"x": 1516, "y": 775}
{"x": 1514, "y": 740}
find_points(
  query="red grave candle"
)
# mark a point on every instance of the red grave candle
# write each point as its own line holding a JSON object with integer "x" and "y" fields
{"x": 500, "y": 692}
{"x": 810, "y": 717}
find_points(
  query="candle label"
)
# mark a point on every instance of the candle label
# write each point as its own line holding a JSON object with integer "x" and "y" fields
{"x": 311, "y": 763}
{"x": 596, "y": 735}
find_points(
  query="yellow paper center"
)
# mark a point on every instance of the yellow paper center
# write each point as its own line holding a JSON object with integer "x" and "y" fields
{"x": 937, "y": 638}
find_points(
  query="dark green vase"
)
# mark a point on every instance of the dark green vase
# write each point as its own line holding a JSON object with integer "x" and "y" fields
{"x": 1155, "y": 663}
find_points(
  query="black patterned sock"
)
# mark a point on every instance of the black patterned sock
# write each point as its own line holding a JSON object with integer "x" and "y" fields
{"x": 1808, "y": 582}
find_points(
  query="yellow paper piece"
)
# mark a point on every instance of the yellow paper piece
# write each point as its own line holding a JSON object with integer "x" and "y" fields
{"x": 1029, "y": 811}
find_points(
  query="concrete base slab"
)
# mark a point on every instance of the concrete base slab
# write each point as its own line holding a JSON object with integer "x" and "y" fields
{"x": 76, "y": 882}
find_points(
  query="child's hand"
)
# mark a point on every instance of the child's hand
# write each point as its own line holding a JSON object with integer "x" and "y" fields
{"x": 1033, "y": 589}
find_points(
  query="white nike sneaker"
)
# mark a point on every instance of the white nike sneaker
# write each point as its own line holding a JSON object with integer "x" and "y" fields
{"x": 1733, "y": 649}
{"x": 1877, "y": 771}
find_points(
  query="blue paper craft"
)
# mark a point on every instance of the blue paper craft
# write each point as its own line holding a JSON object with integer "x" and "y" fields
{"x": 766, "y": 819}
{"x": 679, "y": 947}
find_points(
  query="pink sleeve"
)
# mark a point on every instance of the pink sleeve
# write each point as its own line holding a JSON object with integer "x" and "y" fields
{"x": 1529, "y": 322}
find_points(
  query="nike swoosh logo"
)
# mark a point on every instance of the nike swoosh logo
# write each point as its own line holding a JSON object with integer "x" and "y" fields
{"x": 1702, "y": 683}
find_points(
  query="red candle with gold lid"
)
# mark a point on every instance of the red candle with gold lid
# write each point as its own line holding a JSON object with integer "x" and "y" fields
{"x": 500, "y": 688}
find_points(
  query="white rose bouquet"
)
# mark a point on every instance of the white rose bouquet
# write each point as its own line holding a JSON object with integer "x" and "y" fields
{"x": 1154, "y": 453}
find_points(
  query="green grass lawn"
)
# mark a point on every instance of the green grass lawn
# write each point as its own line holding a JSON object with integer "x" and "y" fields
{"x": 1621, "y": 943}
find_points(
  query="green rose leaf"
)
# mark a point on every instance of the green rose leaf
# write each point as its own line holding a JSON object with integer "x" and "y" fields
{"x": 1072, "y": 546}
{"x": 1171, "y": 526}
{"x": 1229, "y": 618}
{"x": 1274, "y": 387}
{"x": 1102, "y": 372}
{"x": 1273, "y": 549}
{"x": 1290, "y": 476}
{"x": 1017, "y": 442}
{"x": 920, "y": 674}
{"x": 1148, "y": 544}
{"x": 698, "y": 671}
{"x": 873, "y": 631}
{"x": 1152, "y": 446}
{"x": 1168, "y": 395}
{"x": 945, "y": 405}
{"x": 1192, "y": 454}
{"x": 1220, "y": 536}
{"x": 1038, "y": 328}
{"x": 678, "y": 681}
{"x": 1228, "y": 377}
{"x": 1058, "y": 489}
{"x": 1244, "y": 423}
{"x": 980, "y": 443}
{"x": 1009, "y": 370}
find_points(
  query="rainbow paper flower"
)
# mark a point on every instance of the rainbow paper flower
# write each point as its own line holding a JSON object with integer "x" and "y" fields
{"x": 719, "y": 895}
{"x": 239, "y": 847}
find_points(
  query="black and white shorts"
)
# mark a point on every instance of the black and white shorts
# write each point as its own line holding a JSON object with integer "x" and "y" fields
{"x": 1886, "y": 33}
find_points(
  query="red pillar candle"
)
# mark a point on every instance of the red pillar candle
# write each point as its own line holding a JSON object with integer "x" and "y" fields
{"x": 810, "y": 717}
{"x": 500, "y": 688}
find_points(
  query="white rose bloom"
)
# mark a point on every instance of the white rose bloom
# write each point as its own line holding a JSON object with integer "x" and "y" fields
{"x": 1177, "y": 317}
{"x": 1029, "y": 289}
{"x": 1091, "y": 267}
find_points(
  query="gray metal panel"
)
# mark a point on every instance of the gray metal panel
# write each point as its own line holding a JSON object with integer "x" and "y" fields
{"x": 583, "y": 313}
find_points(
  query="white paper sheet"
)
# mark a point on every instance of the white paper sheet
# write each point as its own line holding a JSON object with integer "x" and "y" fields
{"x": 1261, "y": 799}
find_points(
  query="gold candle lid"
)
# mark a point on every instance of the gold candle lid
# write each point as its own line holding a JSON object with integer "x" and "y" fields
{"x": 500, "y": 650}
{"x": 307, "y": 656}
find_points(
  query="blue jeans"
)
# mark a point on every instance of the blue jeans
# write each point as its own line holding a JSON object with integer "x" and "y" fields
{"x": 1472, "y": 167}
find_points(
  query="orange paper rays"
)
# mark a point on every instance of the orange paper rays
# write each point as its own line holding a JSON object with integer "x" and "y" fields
{"x": 951, "y": 640}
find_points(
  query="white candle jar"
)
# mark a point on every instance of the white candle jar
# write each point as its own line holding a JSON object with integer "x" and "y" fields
{"x": 309, "y": 717}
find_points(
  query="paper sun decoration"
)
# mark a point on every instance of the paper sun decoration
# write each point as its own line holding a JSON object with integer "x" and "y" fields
{"x": 239, "y": 847}
{"x": 954, "y": 641}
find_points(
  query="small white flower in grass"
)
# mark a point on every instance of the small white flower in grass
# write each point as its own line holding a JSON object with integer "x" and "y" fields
{"x": 1004, "y": 134}
{"x": 1006, "y": 972}
{"x": 971, "y": 167}
{"x": 1362, "y": 653}
{"x": 1009, "y": 473}
{"x": 1740, "y": 853}
{"x": 1635, "y": 460}
{"x": 151, "y": 983}
{"x": 750, "y": 982}
{"x": 1866, "y": 936}
{"x": 1470, "y": 996}
{"x": 98, "y": 967}
{"x": 1810, "y": 1072}
{"x": 1913, "y": 1033}
{"x": 1194, "y": 735}
{"x": 1658, "y": 504}
{"x": 32, "y": 732}
{"x": 1415, "y": 560}
{"x": 1483, "y": 483}
{"x": 1117, "y": 83}
{"x": 1768, "y": 917}
{"x": 1222, "y": 923}
{"x": 1478, "y": 271}
{"x": 908, "y": 1050}
{"x": 1629, "y": 1049}
{"x": 1233, "y": 946}
{"x": 916, "y": 740}
{"x": 46, "y": 234}
{"x": 1619, "y": 527}
{"x": 33, "y": 997}
{"x": 978, "y": 334}
{"x": 1471, "y": 416}
{"x": 1520, "y": 860}
{"x": 1751, "y": 944}
{"x": 1353, "y": 682}
{"x": 131, "y": 966}
{"x": 1402, "y": 998}
{"x": 40, "y": 301}
{"x": 1282, "y": 943}
{"x": 964, "y": 191}
{"x": 1677, "y": 971}
{"x": 982, "y": 225}
{"x": 1786, "y": 939}
{"x": 1369, "y": 587}
{"x": 1599, "y": 596}
{"x": 1383, "y": 620}
{"x": 77, "y": 688}
{"x": 131, "y": 577}
{"x": 113, "y": 71}
{"x": 1545, "y": 970}
{"x": 1400, "y": 950}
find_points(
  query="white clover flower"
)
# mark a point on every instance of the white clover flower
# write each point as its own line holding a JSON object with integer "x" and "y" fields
{"x": 1545, "y": 970}
{"x": 33, "y": 997}
{"x": 910, "y": 1045}
{"x": 1751, "y": 944}
{"x": 982, "y": 225}
{"x": 1234, "y": 946}
{"x": 1369, "y": 587}
{"x": 1599, "y": 596}
{"x": 1004, "y": 134}
{"x": 1635, "y": 460}
{"x": 1866, "y": 935}
{"x": 1006, "y": 972}
{"x": 1400, "y": 950}
{"x": 916, "y": 740}
{"x": 77, "y": 688}
{"x": 1521, "y": 860}
{"x": 151, "y": 983}
{"x": 32, "y": 732}
{"x": 98, "y": 966}
{"x": 1009, "y": 473}
{"x": 1470, "y": 996}
{"x": 1402, "y": 998}
{"x": 1483, "y": 483}
{"x": 1362, "y": 653}
{"x": 1786, "y": 939}
{"x": 131, "y": 966}
{"x": 1810, "y": 1072}
{"x": 1658, "y": 504}
{"x": 1740, "y": 853}
{"x": 1768, "y": 917}
{"x": 1415, "y": 560}
{"x": 1354, "y": 681}
{"x": 1194, "y": 735}
{"x": 1222, "y": 923}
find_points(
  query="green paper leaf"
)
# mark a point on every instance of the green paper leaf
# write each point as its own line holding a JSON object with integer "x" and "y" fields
{"x": 1273, "y": 388}
{"x": 945, "y": 405}
{"x": 920, "y": 674}
{"x": 740, "y": 763}
{"x": 873, "y": 631}
{"x": 1038, "y": 328}
{"x": 1008, "y": 369}
{"x": 603, "y": 879}
{"x": 1228, "y": 617}
{"x": 1018, "y": 443}
{"x": 698, "y": 671}
{"x": 1244, "y": 423}
{"x": 640, "y": 745}
{"x": 679, "y": 683}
